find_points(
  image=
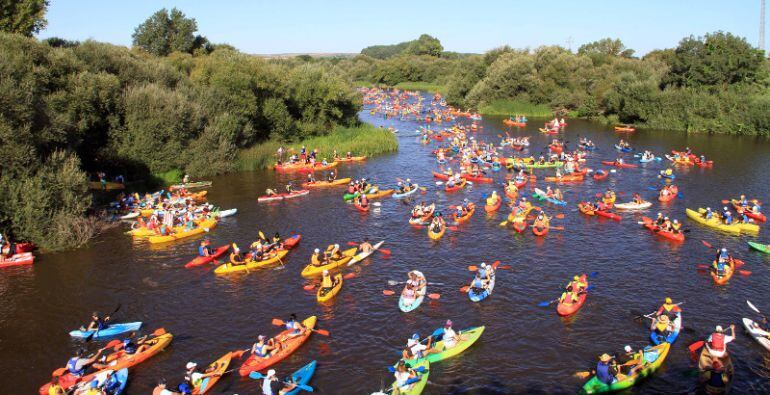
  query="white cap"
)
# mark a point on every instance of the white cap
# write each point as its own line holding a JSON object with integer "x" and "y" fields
{"x": 326, "y": 272}
{"x": 336, "y": 246}
{"x": 317, "y": 251}
{"x": 191, "y": 365}
{"x": 719, "y": 328}
{"x": 411, "y": 342}
{"x": 483, "y": 264}
{"x": 628, "y": 348}
{"x": 271, "y": 373}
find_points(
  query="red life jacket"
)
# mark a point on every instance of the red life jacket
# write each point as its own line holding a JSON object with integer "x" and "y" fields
{"x": 717, "y": 342}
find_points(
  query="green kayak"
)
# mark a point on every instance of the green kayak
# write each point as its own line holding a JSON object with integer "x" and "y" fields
{"x": 469, "y": 336}
{"x": 414, "y": 388}
{"x": 653, "y": 355}
{"x": 543, "y": 166}
{"x": 760, "y": 247}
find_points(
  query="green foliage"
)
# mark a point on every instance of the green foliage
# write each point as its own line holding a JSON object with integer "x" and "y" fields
{"x": 385, "y": 51}
{"x": 510, "y": 107}
{"x": 424, "y": 45}
{"x": 25, "y": 17}
{"x": 599, "y": 51}
{"x": 165, "y": 32}
{"x": 421, "y": 86}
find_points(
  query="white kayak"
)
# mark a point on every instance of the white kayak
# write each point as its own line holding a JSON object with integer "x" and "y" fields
{"x": 756, "y": 331}
{"x": 633, "y": 206}
{"x": 363, "y": 255}
{"x": 131, "y": 215}
{"x": 227, "y": 213}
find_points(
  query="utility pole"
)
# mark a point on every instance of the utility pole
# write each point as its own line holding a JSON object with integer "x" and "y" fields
{"x": 569, "y": 39}
{"x": 762, "y": 25}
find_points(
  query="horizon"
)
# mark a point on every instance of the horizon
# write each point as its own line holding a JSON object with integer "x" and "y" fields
{"x": 345, "y": 27}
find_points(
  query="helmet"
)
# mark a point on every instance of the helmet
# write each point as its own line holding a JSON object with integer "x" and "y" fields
{"x": 317, "y": 251}
{"x": 191, "y": 365}
{"x": 336, "y": 246}
{"x": 719, "y": 328}
{"x": 668, "y": 301}
{"x": 483, "y": 264}
{"x": 724, "y": 249}
{"x": 576, "y": 278}
{"x": 628, "y": 348}
{"x": 725, "y": 208}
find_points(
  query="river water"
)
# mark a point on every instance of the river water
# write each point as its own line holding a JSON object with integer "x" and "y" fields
{"x": 525, "y": 348}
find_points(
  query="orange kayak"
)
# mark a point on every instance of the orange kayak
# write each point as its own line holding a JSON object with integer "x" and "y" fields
{"x": 288, "y": 346}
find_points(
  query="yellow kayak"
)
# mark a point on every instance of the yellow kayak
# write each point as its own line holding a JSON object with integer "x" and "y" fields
{"x": 716, "y": 223}
{"x": 326, "y": 184}
{"x": 203, "y": 226}
{"x": 228, "y": 268}
{"x": 314, "y": 271}
{"x": 325, "y": 294}
{"x": 380, "y": 193}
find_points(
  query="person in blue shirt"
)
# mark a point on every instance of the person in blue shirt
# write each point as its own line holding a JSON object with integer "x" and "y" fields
{"x": 606, "y": 370}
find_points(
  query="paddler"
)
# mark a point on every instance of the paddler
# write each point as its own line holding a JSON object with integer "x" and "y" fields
{"x": 235, "y": 257}
{"x": 204, "y": 249}
{"x": 709, "y": 214}
{"x": 331, "y": 177}
{"x": 160, "y": 389}
{"x": 450, "y": 337}
{"x": 77, "y": 365}
{"x": 366, "y": 246}
{"x": 271, "y": 385}
{"x": 294, "y": 326}
{"x": 669, "y": 309}
{"x": 193, "y": 378}
{"x": 492, "y": 199}
{"x": 97, "y": 323}
{"x": 401, "y": 187}
{"x": 662, "y": 326}
{"x": 263, "y": 348}
{"x": 289, "y": 187}
{"x": 727, "y": 216}
{"x": 638, "y": 199}
{"x": 405, "y": 377}
{"x": 631, "y": 360}
{"x": 55, "y": 388}
{"x": 659, "y": 220}
{"x": 605, "y": 371}
{"x": 416, "y": 350}
{"x": 576, "y": 285}
{"x": 316, "y": 259}
{"x": 332, "y": 252}
{"x": 270, "y": 192}
{"x": 716, "y": 344}
{"x": 351, "y": 188}
{"x": 327, "y": 282}
{"x": 310, "y": 178}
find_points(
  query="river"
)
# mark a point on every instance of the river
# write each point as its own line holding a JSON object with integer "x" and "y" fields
{"x": 525, "y": 348}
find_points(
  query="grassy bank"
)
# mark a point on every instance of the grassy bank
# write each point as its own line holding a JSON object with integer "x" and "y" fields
{"x": 511, "y": 107}
{"x": 422, "y": 86}
{"x": 362, "y": 140}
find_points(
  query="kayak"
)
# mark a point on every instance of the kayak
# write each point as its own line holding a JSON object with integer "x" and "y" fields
{"x": 110, "y": 186}
{"x": 325, "y": 294}
{"x": 191, "y": 185}
{"x": 673, "y": 191}
{"x": 519, "y": 224}
{"x": 477, "y": 178}
{"x": 224, "y": 213}
{"x": 25, "y": 246}
{"x": 414, "y": 189}
{"x": 600, "y": 175}
{"x": 556, "y": 148}
{"x": 441, "y": 176}
{"x": 539, "y": 230}
{"x": 304, "y": 167}
{"x": 621, "y": 165}
{"x": 715, "y": 381}
{"x": 669, "y": 176}
{"x": 565, "y": 309}
{"x": 479, "y": 296}
{"x": 650, "y": 224}
{"x": 380, "y": 193}
{"x": 292, "y": 241}
{"x": 313, "y": 271}
{"x": 288, "y": 345}
{"x": 520, "y": 183}
{"x": 511, "y": 193}
{"x": 202, "y": 260}
{"x": 417, "y": 387}
{"x": 228, "y": 268}
{"x": 359, "y": 207}
{"x": 633, "y": 206}
{"x": 351, "y": 159}
{"x": 541, "y": 195}
{"x": 716, "y": 223}
{"x": 756, "y": 331}
{"x": 437, "y": 235}
{"x": 408, "y": 304}
{"x": 607, "y": 214}
{"x": 219, "y": 367}
{"x": 654, "y": 356}
{"x": 25, "y": 258}
{"x": 760, "y": 247}
{"x": 494, "y": 207}
{"x": 110, "y": 331}
{"x": 203, "y": 227}
{"x": 647, "y": 160}
{"x": 363, "y": 255}
{"x": 121, "y": 377}
{"x": 544, "y": 165}
{"x": 624, "y": 129}
{"x": 566, "y": 178}
{"x": 470, "y": 336}
{"x": 118, "y": 360}
{"x": 548, "y": 131}
{"x": 456, "y": 187}
{"x": 326, "y": 184}
{"x": 585, "y": 208}
{"x": 623, "y": 149}
{"x": 283, "y": 196}
{"x": 755, "y": 216}
{"x": 658, "y": 338}
{"x": 423, "y": 219}
{"x": 728, "y": 273}
{"x": 301, "y": 376}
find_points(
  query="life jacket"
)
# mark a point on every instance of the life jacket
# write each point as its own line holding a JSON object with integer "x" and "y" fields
{"x": 260, "y": 350}
{"x": 72, "y": 367}
{"x": 202, "y": 250}
{"x": 603, "y": 373}
{"x": 717, "y": 342}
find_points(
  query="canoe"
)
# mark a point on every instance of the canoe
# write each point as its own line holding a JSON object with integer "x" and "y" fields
{"x": 25, "y": 258}
{"x": 470, "y": 335}
{"x": 673, "y": 191}
{"x": 363, "y": 255}
{"x": 544, "y": 165}
{"x": 203, "y": 227}
{"x": 110, "y": 331}
{"x": 110, "y": 186}
{"x": 567, "y": 309}
{"x": 650, "y": 224}
{"x": 118, "y": 360}
{"x": 657, "y": 338}
{"x": 191, "y": 185}
{"x": 325, "y": 294}
{"x": 314, "y": 271}
{"x": 414, "y": 189}
{"x": 728, "y": 273}
{"x": 326, "y": 184}
{"x": 755, "y": 216}
{"x": 623, "y": 149}
{"x": 351, "y": 159}
{"x": 302, "y": 376}
{"x": 407, "y": 304}
{"x": 654, "y": 355}
{"x": 539, "y": 230}
{"x": 283, "y": 196}
{"x": 757, "y": 332}
{"x": 417, "y": 387}
{"x": 633, "y": 206}
{"x": 255, "y": 363}
{"x": 479, "y": 296}
{"x": 228, "y": 268}
{"x": 202, "y": 260}
{"x": 220, "y": 367}
{"x": 600, "y": 175}
{"x": 479, "y": 178}
{"x": 760, "y": 247}
{"x": 620, "y": 165}
{"x": 304, "y": 167}
{"x": 456, "y": 187}
{"x": 541, "y": 195}
{"x": 716, "y": 223}
{"x": 494, "y": 207}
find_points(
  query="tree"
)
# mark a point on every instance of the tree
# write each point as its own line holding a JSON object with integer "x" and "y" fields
{"x": 425, "y": 45}
{"x": 25, "y": 17}
{"x": 606, "y": 46}
{"x": 165, "y": 32}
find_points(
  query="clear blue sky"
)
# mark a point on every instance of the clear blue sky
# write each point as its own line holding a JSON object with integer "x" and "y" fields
{"x": 285, "y": 26}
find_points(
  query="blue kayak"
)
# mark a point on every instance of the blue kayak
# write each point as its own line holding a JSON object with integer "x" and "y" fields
{"x": 623, "y": 149}
{"x": 670, "y": 177}
{"x": 657, "y": 338}
{"x": 122, "y": 377}
{"x": 302, "y": 376}
{"x": 479, "y": 296}
{"x": 110, "y": 331}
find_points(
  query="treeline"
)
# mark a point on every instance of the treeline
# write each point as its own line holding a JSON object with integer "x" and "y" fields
{"x": 713, "y": 84}
{"x": 70, "y": 109}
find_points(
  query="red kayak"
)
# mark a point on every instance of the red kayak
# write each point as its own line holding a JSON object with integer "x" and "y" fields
{"x": 567, "y": 309}
{"x": 455, "y": 188}
{"x": 202, "y": 260}
{"x": 360, "y": 207}
{"x": 291, "y": 242}
{"x": 25, "y": 258}
{"x": 673, "y": 191}
{"x": 608, "y": 214}
{"x": 520, "y": 227}
{"x": 601, "y": 174}
{"x": 282, "y": 196}
{"x": 25, "y": 246}
{"x": 478, "y": 178}
{"x": 520, "y": 184}
{"x": 755, "y": 216}
{"x": 650, "y": 224}
{"x": 441, "y": 176}
{"x": 556, "y": 149}
{"x": 621, "y": 165}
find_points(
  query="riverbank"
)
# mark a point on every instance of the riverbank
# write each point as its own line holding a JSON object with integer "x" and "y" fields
{"x": 361, "y": 140}
{"x": 408, "y": 86}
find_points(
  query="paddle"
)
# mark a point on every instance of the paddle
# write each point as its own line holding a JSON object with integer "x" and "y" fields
{"x": 548, "y": 303}
{"x": 258, "y": 376}
{"x": 751, "y": 306}
{"x": 91, "y": 336}
{"x": 279, "y": 322}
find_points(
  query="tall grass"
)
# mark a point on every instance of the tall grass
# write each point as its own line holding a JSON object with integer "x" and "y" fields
{"x": 512, "y": 107}
{"x": 422, "y": 86}
{"x": 361, "y": 140}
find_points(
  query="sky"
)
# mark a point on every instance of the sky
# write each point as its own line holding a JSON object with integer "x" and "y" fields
{"x": 307, "y": 26}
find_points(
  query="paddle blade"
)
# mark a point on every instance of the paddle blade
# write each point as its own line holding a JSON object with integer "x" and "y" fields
{"x": 159, "y": 332}
{"x": 256, "y": 376}
{"x": 545, "y": 304}
{"x": 559, "y": 216}
{"x": 473, "y": 268}
{"x": 503, "y": 223}
{"x": 353, "y": 244}
{"x": 388, "y": 292}
{"x": 113, "y": 343}
{"x": 434, "y": 296}
{"x": 582, "y": 375}
{"x": 744, "y": 272}
{"x": 504, "y": 267}
{"x": 465, "y": 289}
{"x": 725, "y": 201}
{"x": 59, "y": 372}
{"x": 706, "y": 243}
{"x": 385, "y": 251}
{"x": 452, "y": 228}
{"x": 322, "y": 332}
{"x": 695, "y": 346}
{"x": 309, "y": 287}
{"x": 702, "y": 266}
{"x": 751, "y": 306}
{"x": 593, "y": 274}
{"x": 237, "y": 354}
{"x": 349, "y": 276}
{"x": 277, "y": 322}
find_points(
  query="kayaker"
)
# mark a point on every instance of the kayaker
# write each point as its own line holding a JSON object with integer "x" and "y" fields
{"x": 363, "y": 200}
{"x": 332, "y": 252}
{"x": 160, "y": 389}
{"x": 557, "y": 194}
{"x": 416, "y": 350}
{"x": 351, "y": 188}
{"x": 662, "y": 326}
{"x": 331, "y": 177}
{"x": 193, "y": 378}
{"x": 98, "y": 323}
{"x": 91, "y": 388}
{"x": 55, "y": 388}
{"x": 576, "y": 285}
{"x": 366, "y": 246}
{"x": 568, "y": 297}
{"x": 409, "y": 184}
{"x": 235, "y": 256}
{"x": 605, "y": 371}
{"x": 669, "y": 309}
{"x": 401, "y": 187}
{"x": 327, "y": 282}
{"x": 310, "y": 178}
{"x": 294, "y": 326}
{"x": 270, "y": 192}
{"x": 638, "y": 199}
{"x": 289, "y": 187}
{"x": 416, "y": 281}
{"x": 450, "y": 337}
{"x": 630, "y": 360}
{"x": 204, "y": 249}
{"x": 271, "y": 385}
{"x": 316, "y": 259}
{"x": 719, "y": 266}
{"x": 263, "y": 348}
{"x": 716, "y": 344}
{"x": 492, "y": 199}
{"x": 78, "y": 364}
{"x": 437, "y": 223}
{"x": 727, "y": 216}
{"x": 709, "y": 214}
{"x": 660, "y": 220}
{"x": 405, "y": 377}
